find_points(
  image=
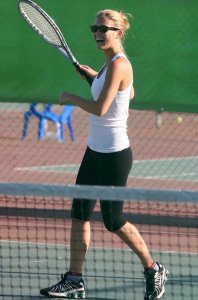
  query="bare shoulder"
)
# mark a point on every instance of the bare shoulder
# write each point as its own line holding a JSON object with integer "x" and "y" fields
{"x": 123, "y": 66}
{"x": 121, "y": 62}
{"x": 120, "y": 73}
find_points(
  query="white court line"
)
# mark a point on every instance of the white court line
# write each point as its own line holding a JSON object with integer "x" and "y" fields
{"x": 49, "y": 168}
{"x": 41, "y": 168}
{"x": 168, "y": 177}
{"x": 167, "y": 159}
{"x": 163, "y": 177}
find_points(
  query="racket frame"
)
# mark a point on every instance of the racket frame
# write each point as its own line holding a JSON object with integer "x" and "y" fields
{"x": 64, "y": 48}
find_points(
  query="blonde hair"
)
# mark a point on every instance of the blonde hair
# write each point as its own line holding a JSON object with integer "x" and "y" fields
{"x": 120, "y": 19}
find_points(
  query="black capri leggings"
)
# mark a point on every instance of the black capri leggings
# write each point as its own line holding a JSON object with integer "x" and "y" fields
{"x": 111, "y": 169}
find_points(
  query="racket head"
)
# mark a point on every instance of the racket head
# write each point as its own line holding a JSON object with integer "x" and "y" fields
{"x": 44, "y": 26}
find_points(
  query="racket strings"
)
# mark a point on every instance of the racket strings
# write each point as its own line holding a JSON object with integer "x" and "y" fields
{"x": 40, "y": 24}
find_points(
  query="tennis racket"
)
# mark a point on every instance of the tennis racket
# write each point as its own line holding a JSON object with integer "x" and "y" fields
{"x": 43, "y": 24}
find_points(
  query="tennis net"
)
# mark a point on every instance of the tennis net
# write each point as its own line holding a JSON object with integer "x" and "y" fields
{"x": 35, "y": 233}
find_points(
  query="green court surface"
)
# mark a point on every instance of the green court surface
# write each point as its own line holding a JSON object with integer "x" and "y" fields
{"x": 181, "y": 168}
{"x": 109, "y": 273}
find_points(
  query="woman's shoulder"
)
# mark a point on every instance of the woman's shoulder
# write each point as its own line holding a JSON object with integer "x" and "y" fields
{"x": 123, "y": 68}
{"x": 121, "y": 62}
{"x": 120, "y": 57}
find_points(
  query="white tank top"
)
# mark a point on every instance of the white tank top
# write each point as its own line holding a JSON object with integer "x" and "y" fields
{"x": 108, "y": 133}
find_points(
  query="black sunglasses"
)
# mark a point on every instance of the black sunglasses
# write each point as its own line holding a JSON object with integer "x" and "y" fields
{"x": 102, "y": 28}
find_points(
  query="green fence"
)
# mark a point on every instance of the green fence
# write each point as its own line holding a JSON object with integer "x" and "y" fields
{"x": 162, "y": 45}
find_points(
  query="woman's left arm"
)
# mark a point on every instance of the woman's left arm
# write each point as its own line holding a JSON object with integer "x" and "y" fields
{"x": 132, "y": 93}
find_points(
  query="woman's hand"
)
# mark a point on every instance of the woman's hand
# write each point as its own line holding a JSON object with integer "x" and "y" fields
{"x": 89, "y": 71}
{"x": 65, "y": 98}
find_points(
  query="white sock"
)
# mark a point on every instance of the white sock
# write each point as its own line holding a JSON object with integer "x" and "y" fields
{"x": 155, "y": 266}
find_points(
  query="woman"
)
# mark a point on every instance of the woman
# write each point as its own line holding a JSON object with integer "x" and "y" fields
{"x": 107, "y": 160}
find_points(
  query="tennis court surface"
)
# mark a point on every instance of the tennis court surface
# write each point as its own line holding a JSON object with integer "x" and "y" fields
{"x": 36, "y": 189}
{"x": 165, "y": 157}
{"x": 35, "y": 227}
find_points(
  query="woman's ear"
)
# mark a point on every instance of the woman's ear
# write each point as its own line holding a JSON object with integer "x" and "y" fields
{"x": 120, "y": 34}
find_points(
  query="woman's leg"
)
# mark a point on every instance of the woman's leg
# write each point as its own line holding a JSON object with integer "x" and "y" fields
{"x": 81, "y": 211}
{"x": 79, "y": 243}
{"x": 115, "y": 222}
{"x": 115, "y": 168}
{"x": 115, "y": 172}
{"x": 71, "y": 284}
{"x": 129, "y": 234}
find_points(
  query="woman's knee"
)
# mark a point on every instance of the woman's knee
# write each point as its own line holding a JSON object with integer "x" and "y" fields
{"x": 114, "y": 224}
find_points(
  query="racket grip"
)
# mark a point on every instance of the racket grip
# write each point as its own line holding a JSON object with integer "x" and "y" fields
{"x": 83, "y": 73}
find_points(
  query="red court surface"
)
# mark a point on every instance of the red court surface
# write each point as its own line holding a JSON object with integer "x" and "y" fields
{"x": 171, "y": 141}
